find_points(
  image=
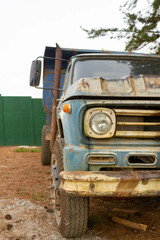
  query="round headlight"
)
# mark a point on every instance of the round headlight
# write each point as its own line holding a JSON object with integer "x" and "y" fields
{"x": 100, "y": 123}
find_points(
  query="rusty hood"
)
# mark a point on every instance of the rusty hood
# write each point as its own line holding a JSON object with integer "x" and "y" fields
{"x": 129, "y": 86}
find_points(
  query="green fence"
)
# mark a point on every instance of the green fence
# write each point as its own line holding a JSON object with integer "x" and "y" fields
{"x": 21, "y": 121}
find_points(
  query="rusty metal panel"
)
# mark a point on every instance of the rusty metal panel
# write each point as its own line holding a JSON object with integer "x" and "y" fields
{"x": 111, "y": 183}
{"x": 132, "y": 86}
{"x": 118, "y": 85}
{"x": 152, "y": 83}
{"x": 135, "y": 129}
{"x": 137, "y": 134}
{"x": 139, "y": 123}
{"x": 122, "y": 102}
{"x": 48, "y": 72}
{"x": 132, "y": 123}
{"x": 137, "y": 112}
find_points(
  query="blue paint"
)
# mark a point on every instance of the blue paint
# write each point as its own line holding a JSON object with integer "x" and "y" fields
{"x": 78, "y": 147}
{"x": 48, "y": 76}
{"x": 73, "y": 123}
{"x": 122, "y": 154}
{"x": 76, "y": 144}
{"x": 75, "y": 158}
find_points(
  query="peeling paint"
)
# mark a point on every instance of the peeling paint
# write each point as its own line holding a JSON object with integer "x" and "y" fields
{"x": 111, "y": 184}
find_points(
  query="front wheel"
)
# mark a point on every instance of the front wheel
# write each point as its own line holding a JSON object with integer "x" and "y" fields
{"x": 72, "y": 215}
{"x": 71, "y": 212}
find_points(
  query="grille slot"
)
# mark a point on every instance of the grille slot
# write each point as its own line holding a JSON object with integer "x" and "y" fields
{"x": 138, "y": 123}
{"x": 142, "y": 160}
{"x": 101, "y": 160}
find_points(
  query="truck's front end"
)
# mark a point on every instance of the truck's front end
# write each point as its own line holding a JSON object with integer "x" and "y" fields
{"x": 107, "y": 138}
{"x": 112, "y": 130}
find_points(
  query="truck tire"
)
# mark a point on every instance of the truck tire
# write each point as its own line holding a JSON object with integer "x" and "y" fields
{"x": 71, "y": 212}
{"x": 45, "y": 151}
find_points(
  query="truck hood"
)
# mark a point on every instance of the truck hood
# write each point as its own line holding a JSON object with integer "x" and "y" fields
{"x": 128, "y": 86}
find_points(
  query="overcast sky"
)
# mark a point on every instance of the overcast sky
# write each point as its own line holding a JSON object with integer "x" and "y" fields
{"x": 27, "y": 26}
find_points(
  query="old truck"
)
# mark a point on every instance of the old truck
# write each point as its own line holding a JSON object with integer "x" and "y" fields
{"x": 102, "y": 133}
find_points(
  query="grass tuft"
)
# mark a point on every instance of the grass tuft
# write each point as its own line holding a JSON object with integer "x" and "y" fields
{"x": 39, "y": 196}
{"x": 34, "y": 150}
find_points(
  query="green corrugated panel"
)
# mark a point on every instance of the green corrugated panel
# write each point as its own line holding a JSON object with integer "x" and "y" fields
{"x": 1, "y": 123}
{"x": 39, "y": 120}
{"x": 22, "y": 120}
{"x": 18, "y": 121}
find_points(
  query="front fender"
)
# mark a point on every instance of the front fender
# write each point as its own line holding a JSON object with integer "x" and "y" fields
{"x": 76, "y": 149}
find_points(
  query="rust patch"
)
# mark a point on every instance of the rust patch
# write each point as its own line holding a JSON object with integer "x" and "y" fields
{"x": 71, "y": 150}
{"x": 152, "y": 82}
{"x": 104, "y": 87}
{"x": 102, "y": 159}
{"x": 126, "y": 187}
{"x": 133, "y": 85}
{"x": 92, "y": 186}
{"x": 56, "y": 95}
{"x": 145, "y": 181}
{"x": 83, "y": 85}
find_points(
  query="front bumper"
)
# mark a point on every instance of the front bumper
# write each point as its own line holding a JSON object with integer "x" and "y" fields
{"x": 111, "y": 183}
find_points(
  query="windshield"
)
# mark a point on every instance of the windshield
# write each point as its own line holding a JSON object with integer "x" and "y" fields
{"x": 114, "y": 69}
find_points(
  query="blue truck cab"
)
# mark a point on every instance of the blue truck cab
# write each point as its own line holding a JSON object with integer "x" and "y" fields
{"x": 102, "y": 134}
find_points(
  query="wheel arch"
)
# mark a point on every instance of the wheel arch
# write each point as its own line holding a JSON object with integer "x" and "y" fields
{"x": 60, "y": 128}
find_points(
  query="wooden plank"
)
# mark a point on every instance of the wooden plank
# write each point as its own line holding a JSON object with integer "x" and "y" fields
{"x": 133, "y": 225}
{"x": 122, "y": 210}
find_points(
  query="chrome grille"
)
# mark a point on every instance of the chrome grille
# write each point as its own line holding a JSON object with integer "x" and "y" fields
{"x": 137, "y": 123}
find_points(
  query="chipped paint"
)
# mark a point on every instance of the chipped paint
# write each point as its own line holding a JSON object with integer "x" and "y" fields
{"x": 71, "y": 150}
{"x": 133, "y": 86}
{"x": 152, "y": 83}
{"x": 111, "y": 184}
{"x": 80, "y": 149}
{"x": 131, "y": 123}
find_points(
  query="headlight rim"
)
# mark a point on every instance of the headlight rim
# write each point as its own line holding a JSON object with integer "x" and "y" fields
{"x": 91, "y": 119}
{"x": 92, "y": 111}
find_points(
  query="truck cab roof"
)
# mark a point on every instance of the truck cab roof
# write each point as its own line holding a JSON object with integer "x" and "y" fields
{"x": 115, "y": 55}
{"x": 75, "y": 54}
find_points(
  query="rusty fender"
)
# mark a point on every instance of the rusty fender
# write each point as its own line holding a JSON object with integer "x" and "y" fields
{"x": 111, "y": 183}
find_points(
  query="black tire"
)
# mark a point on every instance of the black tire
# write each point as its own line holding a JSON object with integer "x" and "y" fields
{"x": 45, "y": 151}
{"x": 58, "y": 153}
{"x": 71, "y": 212}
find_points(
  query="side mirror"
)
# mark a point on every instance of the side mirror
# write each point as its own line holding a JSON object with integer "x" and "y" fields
{"x": 35, "y": 73}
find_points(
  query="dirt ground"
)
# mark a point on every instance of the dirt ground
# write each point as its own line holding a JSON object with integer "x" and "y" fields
{"x": 26, "y": 213}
